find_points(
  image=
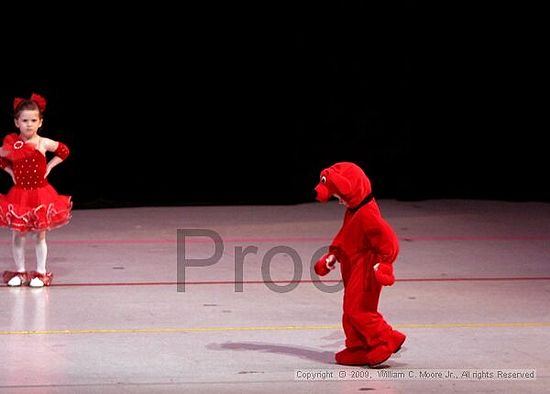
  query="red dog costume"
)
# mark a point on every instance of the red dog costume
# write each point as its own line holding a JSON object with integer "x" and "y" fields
{"x": 366, "y": 246}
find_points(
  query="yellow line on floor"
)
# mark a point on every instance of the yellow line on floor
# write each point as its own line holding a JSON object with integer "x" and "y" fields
{"x": 265, "y": 328}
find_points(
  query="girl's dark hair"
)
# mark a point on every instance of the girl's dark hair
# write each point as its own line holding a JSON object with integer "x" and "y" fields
{"x": 27, "y": 105}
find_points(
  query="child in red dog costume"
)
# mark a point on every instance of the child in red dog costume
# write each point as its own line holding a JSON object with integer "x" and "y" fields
{"x": 366, "y": 246}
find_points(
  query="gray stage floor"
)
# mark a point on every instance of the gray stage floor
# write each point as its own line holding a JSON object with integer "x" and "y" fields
{"x": 472, "y": 296}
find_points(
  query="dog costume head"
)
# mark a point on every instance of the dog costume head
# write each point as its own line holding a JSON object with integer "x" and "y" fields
{"x": 345, "y": 180}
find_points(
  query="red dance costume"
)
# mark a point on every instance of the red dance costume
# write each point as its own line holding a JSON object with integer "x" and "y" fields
{"x": 366, "y": 247}
{"x": 32, "y": 204}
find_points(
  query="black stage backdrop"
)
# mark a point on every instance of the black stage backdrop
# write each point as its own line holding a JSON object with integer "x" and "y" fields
{"x": 245, "y": 106}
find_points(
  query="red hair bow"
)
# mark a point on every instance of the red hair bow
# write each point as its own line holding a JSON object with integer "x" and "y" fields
{"x": 38, "y": 99}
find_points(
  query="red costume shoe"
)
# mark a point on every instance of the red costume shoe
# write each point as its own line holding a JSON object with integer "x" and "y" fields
{"x": 374, "y": 356}
{"x": 353, "y": 356}
{"x": 383, "y": 352}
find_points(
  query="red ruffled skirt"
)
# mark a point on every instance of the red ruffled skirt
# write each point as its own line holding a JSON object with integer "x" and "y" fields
{"x": 34, "y": 209}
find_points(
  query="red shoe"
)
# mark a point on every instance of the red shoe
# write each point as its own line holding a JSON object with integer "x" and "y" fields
{"x": 352, "y": 356}
{"x": 23, "y": 277}
{"x": 40, "y": 280}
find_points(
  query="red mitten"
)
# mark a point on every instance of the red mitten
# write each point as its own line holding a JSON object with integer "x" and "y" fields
{"x": 384, "y": 274}
{"x": 325, "y": 264}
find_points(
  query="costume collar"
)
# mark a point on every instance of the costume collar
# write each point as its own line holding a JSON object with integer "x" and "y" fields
{"x": 365, "y": 201}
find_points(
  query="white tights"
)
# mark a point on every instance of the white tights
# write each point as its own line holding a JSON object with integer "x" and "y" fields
{"x": 18, "y": 251}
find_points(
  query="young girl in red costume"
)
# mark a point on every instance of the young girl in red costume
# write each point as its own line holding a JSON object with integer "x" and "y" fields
{"x": 32, "y": 205}
{"x": 366, "y": 248}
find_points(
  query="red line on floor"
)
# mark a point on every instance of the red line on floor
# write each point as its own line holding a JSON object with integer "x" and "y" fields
{"x": 480, "y": 238}
{"x": 291, "y": 239}
{"x": 282, "y": 282}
